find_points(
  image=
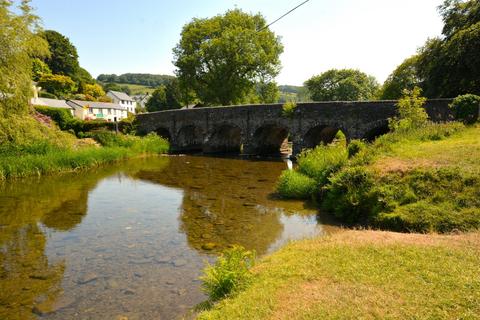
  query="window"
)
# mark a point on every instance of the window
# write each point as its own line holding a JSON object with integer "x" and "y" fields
{"x": 90, "y": 110}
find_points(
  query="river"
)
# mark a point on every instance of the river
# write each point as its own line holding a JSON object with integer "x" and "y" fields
{"x": 129, "y": 241}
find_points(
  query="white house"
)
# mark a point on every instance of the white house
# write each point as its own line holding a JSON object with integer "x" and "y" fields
{"x": 123, "y": 100}
{"x": 142, "y": 99}
{"x": 89, "y": 110}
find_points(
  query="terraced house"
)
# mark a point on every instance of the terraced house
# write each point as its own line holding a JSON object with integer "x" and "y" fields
{"x": 123, "y": 100}
{"x": 90, "y": 110}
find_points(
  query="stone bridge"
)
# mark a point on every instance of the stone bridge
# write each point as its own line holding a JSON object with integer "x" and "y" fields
{"x": 261, "y": 129}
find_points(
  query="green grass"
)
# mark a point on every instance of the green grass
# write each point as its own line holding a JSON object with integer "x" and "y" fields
{"x": 28, "y": 148}
{"x": 422, "y": 180}
{"x": 137, "y": 88}
{"x": 363, "y": 275}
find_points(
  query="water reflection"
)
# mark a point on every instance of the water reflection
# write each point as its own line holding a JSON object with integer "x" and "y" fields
{"x": 130, "y": 239}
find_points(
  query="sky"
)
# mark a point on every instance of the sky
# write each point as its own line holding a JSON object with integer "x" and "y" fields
{"x": 137, "y": 36}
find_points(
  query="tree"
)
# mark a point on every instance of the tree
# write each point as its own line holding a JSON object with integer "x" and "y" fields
{"x": 268, "y": 92}
{"x": 93, "y": 90}
{"x": 59, "y": 85}
{"x": 410, "y": 110}
{"x": 64, "y": 57}
{"x": 19, "y": 42}
{"x": 404, "y": 77}
{"x": 450, "y": 66}
{"x": 342, "y": 85}
{"x": 39, "y": 68}
{"x": 221, "y": 58}
{"x": 158, "y": 101}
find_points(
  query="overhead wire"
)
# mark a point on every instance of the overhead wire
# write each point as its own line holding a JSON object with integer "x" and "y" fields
{"x": 284, "y": 15}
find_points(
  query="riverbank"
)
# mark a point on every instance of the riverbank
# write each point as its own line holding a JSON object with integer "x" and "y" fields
{"x": 420, "y": 180}
{"x": 363, "y": 274}
{"x": 29, "y": 147}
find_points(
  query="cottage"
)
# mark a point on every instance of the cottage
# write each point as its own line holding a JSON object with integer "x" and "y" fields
{"x": 123, "y": 100}
{"x": 89, "y": 110}
{"x": 142, "y": 99}
{"x": 51, "y": 103}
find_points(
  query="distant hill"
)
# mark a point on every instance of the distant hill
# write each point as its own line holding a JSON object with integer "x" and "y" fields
{"x": 293, "y": 93}
{"x": 144, "y": 79}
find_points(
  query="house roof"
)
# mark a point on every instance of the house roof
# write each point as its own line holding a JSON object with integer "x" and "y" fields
{"x": 95, "y": 104}
{"x": 52, "y": 103}
{"x": 120, "y": 95}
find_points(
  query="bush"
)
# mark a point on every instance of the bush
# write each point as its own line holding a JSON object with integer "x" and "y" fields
{"x": 466, "y": 108}
{"x": 354, "y": 147}
{"x": 321, "y": 162}
{"x": 295, "y": 185}
{"x": 350, "y": 195}
{"x": 229, "y": 274}
{"x": 288, "y": 109}
{"x": 411, "y": 113}
{"x": 44, "y": 94}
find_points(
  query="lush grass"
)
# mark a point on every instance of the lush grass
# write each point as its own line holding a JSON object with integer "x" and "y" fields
{"x": 30, "y": 148}
{"x": 137, "y": 88}
{"x": 296, "y": 185}
{"x": 363, "y": 275}
{"x": 423, "y": 180}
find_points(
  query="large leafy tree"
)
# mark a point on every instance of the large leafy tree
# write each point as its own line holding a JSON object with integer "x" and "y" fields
{"x": 450, "y": 65}
{"x": 342, "y": 85}
{"x": 64, "y": 57}
{"x": 19, "y": 42}
{"x": 222, "y": 58}
{"x": 58, "y": 85}
{"x": 404, "y": 77}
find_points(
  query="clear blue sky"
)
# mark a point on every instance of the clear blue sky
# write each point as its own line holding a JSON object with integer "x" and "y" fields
{"x": 120, "y": 36}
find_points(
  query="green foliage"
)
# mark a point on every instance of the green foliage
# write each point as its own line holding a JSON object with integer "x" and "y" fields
{"x": 145, "y": 79}
{"x": 230, "y": 273}
{"x": 350, "y": 195}
{"x": 18, "y": 44}
{"x": 93, "y": 90}
{"x": 66, "y": 122}
{"x": 466, "y": 108}
{"x": 321, "y": 162}
{"x": 43, "y": 94}
{"x": 355, "y": 147}
{"x": 39, "y": 68}
{"x": 450, "y": 66}
{"x": 288, "y": 109}
{"x": 404, "y": 77}
{"x": 64, "y": 57}
{"x": 295, "y": 185}
{"x": 61, "y": 86}
{"x": 268, "y": 92}
{"x": 342, "y": 85}
{"x": 221, "y": 59}
{"x": 411, "y": 113}
{"x": 129, "y": 124}
{"x": 158, "y": 101}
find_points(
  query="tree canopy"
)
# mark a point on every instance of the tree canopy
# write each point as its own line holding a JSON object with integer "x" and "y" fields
{"x": 342, "y": 85}
{"x": 64, "y": 57}
{"x": 404, "y": 77}
{"x": 19, "y": 42}
{"x": 222, "y": 58}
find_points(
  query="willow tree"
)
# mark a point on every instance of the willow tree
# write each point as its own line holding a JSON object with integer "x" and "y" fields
{"x": 19, "y": 42}
{"x": 222, "y": 58}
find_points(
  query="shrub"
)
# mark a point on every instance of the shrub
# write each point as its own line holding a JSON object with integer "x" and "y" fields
{"x": 59, "y": 85}
{"x": 229, "y": 274}
{"x": 466, "y": 108}
{"x": 354, "y": 147}
{"x": 44, "y": 94}
{"x": 321, "y": 162}
{"x": 350, "y": 195}
{"x": 288, "y": 109}
{"x": 295, "y": 185}
{"x": 411, "y": 113}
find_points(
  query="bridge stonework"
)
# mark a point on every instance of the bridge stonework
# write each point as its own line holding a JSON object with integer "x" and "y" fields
{"x": 261, "y": 129}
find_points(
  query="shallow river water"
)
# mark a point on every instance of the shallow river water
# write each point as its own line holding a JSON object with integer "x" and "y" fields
{"x": 129, "y": 241}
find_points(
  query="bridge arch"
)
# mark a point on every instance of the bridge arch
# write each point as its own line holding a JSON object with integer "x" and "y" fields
{"x": 164, "y": 133}
{"x": 225, "y": 138}
{"x": 322, "y": 134}
{"x": 189, "y": 138}
{"x": 376, "y": 129}
{"x": 268, "y": 139}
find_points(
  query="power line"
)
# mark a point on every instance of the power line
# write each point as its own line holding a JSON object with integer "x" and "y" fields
{"x": 301, "y": 4}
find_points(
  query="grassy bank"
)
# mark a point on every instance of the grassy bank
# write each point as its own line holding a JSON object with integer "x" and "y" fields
{"x": 363, "y": 275}
{"x": 420, "y": 180}
{"x": 28, "y": 147}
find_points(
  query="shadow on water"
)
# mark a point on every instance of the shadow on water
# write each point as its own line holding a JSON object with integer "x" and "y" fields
{"x": 131, "y": 239}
